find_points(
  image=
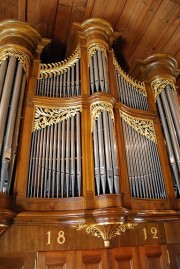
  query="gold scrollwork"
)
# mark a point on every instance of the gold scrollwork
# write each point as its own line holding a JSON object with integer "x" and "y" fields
{"x": 49, "y": 116}
{"x": 159, "y": 84}
{"x": 95, "y": 47}
{"x": 20, "y": 55}
{"x": 142, "y": 126}
{"x": 106, "y": 231}
{"x": 139, "y": 86}
{"x": 97, "y": 108}
{"x": 54, "y": 69}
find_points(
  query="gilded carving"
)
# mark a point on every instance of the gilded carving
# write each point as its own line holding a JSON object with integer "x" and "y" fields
{"x": 49, "y": 116}
{"x": 54, "y": 69}
{"x": 142, "y": 126}
{"x": 136, "y": 85}
{"x": 95, "y": 47}
{"x": 106, "y": 231}
{"x": 97, "y": 108}
{"x": 159, "y": 84}
{"x": 20, "y": 55}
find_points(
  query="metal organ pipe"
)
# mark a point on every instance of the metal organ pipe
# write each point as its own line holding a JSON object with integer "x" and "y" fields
{"x": 78, "y": 150}
{"x": 13, "y": 82}
{"x": 64, "y": 83}
{"x": 7, "y": 152}
{"x": 96, "y": 159}
{"x": 106, "y": 82}
{"x": 168, "y": 144}
{"x": 3, "y": 68}
{"x": 55, "y": 162}
{"x": 98, "y": 72}
{"x": 16, "y": 130}
{"x": 174, "y": 111}
{"x": 144, "y": 170}
{"x": 108, "y": 152}
{"x": 5, "y": 99}
{"x": 131, "y": 93}
{"x": 172, "y": 131}
{"x": 101, "y": 154}
{"x": 105, "y": 156}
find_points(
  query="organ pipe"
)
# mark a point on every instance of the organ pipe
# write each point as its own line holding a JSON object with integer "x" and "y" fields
{"x": 106, "y": 170}
{"x": 5, "y": 99}
{"x": 55, "y": 162}
{"x": 144, "y": 168}
{"x": 12, "y": 86}
{"x": 168, "y": 108}
{"x": 98, "y": 68}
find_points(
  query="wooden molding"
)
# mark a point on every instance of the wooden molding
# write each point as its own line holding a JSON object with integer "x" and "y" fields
{"x": 156, "y": 66}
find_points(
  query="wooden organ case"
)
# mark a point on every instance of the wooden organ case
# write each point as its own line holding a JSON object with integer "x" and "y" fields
{"x": 89, "y": 172}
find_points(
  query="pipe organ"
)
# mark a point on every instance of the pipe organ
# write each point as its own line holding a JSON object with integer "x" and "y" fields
{"x": 97, "y": 149}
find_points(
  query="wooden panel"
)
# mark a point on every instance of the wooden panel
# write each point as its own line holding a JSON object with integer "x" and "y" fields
{"x": 138, "y": 24}
{"x": 92, "y": 259}
{"x": 17, "y": 261}
{"x": 174, "y": 256}
{"x": 147, "y": 26}
{"x": 87, "y": 259}
{"x": 8, "y": 9}
{"x": 56, "y": 260}
{"x": 77, "y": 13}
{"x": 41, "y": 15}
{"x": 150, "y": 37}
{"x": 152, "y": 257}
{"x": 104, "y": 10}
{"x": 126, "y": 258}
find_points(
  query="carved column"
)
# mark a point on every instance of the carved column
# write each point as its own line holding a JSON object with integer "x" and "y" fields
{"x": 20, "y": 44}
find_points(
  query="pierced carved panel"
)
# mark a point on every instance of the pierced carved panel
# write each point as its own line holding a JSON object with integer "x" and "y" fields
{"x": 95, "y": 47}
{"x": 142, "y": 126}
{"x": 49, "y": 116}
{"x": 20, "y": 55}
{"x": 97, "y": 108}
{"x": 159, "y": 84}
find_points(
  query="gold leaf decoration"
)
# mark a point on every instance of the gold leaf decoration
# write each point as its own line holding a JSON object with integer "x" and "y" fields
{"x": 159, "y": 84}
{"x": 95, "y": 47}
{"x": 20, "y": 55}
{"x": 106, "y": 231}
{"x": 97, "y": 108}
{"x": 49, "y": 116}
{"x": 142, "y": 126}
{"x": 135, "y": 84}
{"x": 54, "y": 69}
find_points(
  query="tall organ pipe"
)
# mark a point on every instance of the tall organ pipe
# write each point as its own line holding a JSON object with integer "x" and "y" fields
{"x": 3, "y": 68}
{"x": 171, "y": 128}
{"x": 168, "y": 144}
{"x": 114, "y": 155}
{"x": 78, "y": 150}
{"x": 11, "y": 124}
{"x": 100, "y": 65}
{"x": 6, "y": 95}
{"x": 108, "y": 152}
{"x": 175, "y": 114}
{"x": 96, "y": 159}
{"x": 16, "y": 130}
